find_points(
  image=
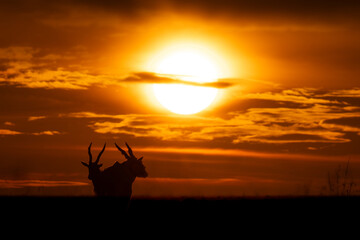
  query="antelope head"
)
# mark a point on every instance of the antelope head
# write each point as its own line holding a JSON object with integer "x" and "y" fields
{"x": 135, "y": 165}
{"x": 94, "y": 167}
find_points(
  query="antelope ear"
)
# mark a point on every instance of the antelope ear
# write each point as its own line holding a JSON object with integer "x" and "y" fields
{"x": 85, "y": 164}
{"x": 140, "y": 159}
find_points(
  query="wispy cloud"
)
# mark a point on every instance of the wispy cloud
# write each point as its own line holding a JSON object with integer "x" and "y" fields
{"x": 48, "y": 132}
{"x": 314, "y": 118}
{"x": 38, "y": 183}
{"x": 8, "y": 132}
{"x": 251, "y": 126}
{"x": 66, "y": 79}
{"x": 5, "y": 132}
{"x": 22, "y": 66}
{"x": 297, "y": 95}
{"x": 310, "y": 123}
{"x": 9, "y": 123}
{"x": 151, "y": 77}
{"x": 235, "y": 153}
{"x": 50, "y": 79}
{"x": 344, "y": 93}
{"x": 33, "y": 118}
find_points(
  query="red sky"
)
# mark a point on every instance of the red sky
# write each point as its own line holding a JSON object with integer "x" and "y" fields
{"x": 76, "y": 72}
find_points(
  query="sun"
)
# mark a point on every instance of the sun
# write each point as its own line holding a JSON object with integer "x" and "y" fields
{"x": 188, "y": 63}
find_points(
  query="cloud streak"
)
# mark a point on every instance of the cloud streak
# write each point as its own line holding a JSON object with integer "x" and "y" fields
{"x": 38, "y": 183}
{"x": 311, "y": 123}
{"x": 34, "y": 118}
{"x": 298, "y": 95}
{"x": 48, "y": 133}
{"x": 9, "y": 132}
{"x": 21, "y": 66}
{"x": 151, "y": 77}
{"x": 236, "y": 153}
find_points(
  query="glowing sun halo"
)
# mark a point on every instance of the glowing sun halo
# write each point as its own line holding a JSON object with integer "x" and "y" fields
{"x": 187, "y": 64}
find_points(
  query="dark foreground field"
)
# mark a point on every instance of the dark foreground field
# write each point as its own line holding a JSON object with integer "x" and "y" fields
{"x": 230, "y": 207}
{"x": 227, "y": 217}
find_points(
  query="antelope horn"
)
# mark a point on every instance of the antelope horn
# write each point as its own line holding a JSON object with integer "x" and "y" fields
{"x": 89, "y": 151}
{"x": 130, "y": 150}
{"x": 98, "y": 157}
{"x": 123, "y": 152}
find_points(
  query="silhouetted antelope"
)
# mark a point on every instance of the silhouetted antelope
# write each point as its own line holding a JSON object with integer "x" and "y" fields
{"x": 116, "y": 180}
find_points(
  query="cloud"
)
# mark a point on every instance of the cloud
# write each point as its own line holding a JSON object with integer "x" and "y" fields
{"x": 151, "y": 77}
{"x": 300, "y": 115}
{"x": 9, "y": 123}
{"x": 9, "y": 132}
{"x": 234, "y": 153}
{"x": 261, "y": 125}
{"x": 38, "y": 183}
{"x": 345, "y": 121}
{"x": 91, "y": 115}
{"x": 65, "y": 79}
{"x": 48, "y": 132}
{"x": 313, "y": 122}
{"x": 50, "y": 79}
{"x": 345, "y": 124}
{"x": 26, "y": 67}
{"x": 343, "y": 93}
{"x": 297, "y": 95}
{"x": 33, "y": 118}
{"x": 27, "y": 70}
{"x": 61, "y": 26}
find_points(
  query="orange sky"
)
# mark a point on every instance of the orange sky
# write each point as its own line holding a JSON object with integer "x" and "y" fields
{"x": 77, "y": 72}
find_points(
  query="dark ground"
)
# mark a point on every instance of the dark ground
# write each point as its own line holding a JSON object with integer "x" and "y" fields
{"x": 82, "y": 206}
{"x": 236, "y": 215}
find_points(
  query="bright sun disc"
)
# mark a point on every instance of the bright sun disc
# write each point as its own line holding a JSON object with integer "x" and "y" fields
{"x": 187, "y": 64}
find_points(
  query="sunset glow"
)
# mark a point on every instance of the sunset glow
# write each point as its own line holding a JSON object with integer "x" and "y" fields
{"x": 220, "y": 98}
{"x": 184, "y": 99}
{"x": 187, "y": 63}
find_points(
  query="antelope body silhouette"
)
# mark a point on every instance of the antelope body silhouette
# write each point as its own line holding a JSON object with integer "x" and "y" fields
{"x": 117, "y": 180}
